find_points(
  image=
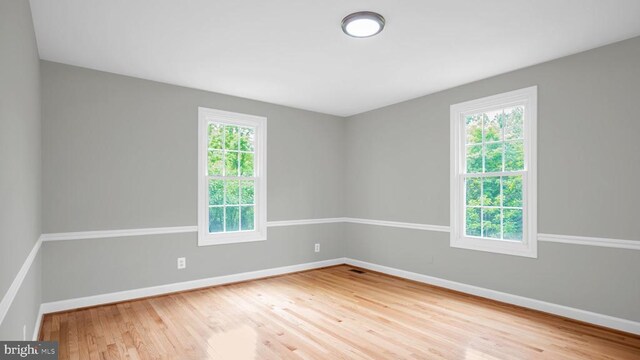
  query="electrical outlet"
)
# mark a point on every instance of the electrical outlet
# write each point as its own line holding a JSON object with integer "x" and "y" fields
{"x": 182, "y": 263}
{"x": 24, "y": 332}
{"x": 317, "y": 248}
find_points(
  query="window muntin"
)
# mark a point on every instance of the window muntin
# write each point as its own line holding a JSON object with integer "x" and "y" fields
{"x": 493, "y": 173}
{"x": 232, "y": 184}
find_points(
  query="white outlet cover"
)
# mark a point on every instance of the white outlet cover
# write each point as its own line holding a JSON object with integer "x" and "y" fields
{"x": 182, "y": 263}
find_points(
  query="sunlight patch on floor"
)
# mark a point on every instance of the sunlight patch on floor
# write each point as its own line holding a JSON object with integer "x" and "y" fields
{"x": 473, "y": 354}
{"x": 237, "y": 343}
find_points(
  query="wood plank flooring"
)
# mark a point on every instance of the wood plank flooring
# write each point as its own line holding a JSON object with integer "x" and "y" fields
{"x": 330, "y": 313}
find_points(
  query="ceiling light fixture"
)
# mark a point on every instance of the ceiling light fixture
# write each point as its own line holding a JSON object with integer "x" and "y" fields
{"x": 362, "y": 24}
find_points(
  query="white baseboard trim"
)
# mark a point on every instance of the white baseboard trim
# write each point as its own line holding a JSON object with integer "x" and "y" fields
{"x": 76, "y": 303}
{"x": 36, "y": 327}
{"x": 561, "y": 310}
{"x": 11, "y": 293}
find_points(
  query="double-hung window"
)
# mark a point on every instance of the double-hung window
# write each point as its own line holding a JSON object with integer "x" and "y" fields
{"x": 493, "y": 173}
{"x": 231, "y": 177}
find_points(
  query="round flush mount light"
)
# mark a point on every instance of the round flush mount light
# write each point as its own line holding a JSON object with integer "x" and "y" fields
{"x": 362, "y": 24}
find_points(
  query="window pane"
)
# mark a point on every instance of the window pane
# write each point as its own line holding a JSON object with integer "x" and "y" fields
{"x": 513, "y": 119}
{"x": 474, "y": 159}
{"x": 474, "y": 129}
{"x": 473, "y": 189}
{"x": 514, "y": 155}
{"x": 473, "y": 222}
{"x": 215, "y": 164}
{"x": 231, "y": 163}
{"x": 513, "y": 224}
{"x": 231, "y": 138}
{"x": 247, "y": 218}
{"x": 246, "y": 139}
{"x": 512, "y": 191}
{"x": 493, "y": 157}
{"x": 232, "y": 192}
{"x": 216, "y": 218}
{"x": 232, "y": 217}
{"x": 493, "y": 126}
{"x": 247, "y": 191}
{"x": 246, "y": 164}
{"x": 491, "y": 191}
{"x": 216, "y": 192}
{"x": 491, "y": 223}
{"x": 215, "y": 136}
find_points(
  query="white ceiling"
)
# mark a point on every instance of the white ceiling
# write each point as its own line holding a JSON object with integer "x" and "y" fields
{"x": 293, "y": 52}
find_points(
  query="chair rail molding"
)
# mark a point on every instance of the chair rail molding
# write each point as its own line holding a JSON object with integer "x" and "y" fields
{"x": 564, "y": 239}
{"x": 11, "y": 293}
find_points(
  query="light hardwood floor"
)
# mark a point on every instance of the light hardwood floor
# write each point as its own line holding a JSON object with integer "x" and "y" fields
{"x": 330, "y": 313}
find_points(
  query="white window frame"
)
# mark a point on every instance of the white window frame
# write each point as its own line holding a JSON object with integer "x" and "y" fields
{"x": 206, "y": 116}
{"x": 528, "y": 247}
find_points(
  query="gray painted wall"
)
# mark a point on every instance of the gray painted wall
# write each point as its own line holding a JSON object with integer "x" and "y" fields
{"x": 120, "y": 153}
{"x": 99, "y": 266}
{"x": 588, "y": 171}
{"x": 20, "y": 177}
{"x": 602, "y": 280}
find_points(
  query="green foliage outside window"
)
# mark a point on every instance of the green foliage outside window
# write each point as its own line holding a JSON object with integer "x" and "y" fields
{"x": 494, "y": 143}
{"x": 230, "y": 161}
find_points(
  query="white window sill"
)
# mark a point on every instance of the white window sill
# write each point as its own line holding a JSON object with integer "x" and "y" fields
{"x": 230, "y": 238}
{"x": 518, "y": 248}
